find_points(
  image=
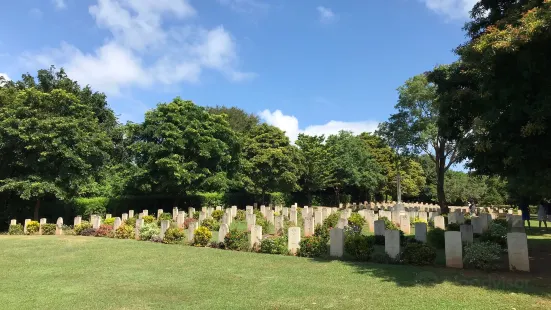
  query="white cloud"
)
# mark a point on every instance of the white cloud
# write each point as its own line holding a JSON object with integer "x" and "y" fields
{"x": 290, "y": 125}
{"x": 5, "y": 76}
{"x": 59, "y": 4}
{"x": 142, "y": 52}
{"x": 326, "y": 15}
{"x": 245, "y": 6}
{"x": 454, "y": 9}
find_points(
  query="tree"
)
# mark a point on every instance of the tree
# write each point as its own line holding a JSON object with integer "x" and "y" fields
{"x": 507, "y": 59}
{"x": 414, "y": 128}
{"x": 240, "y": 121}
{"x": 351, "y": 165}
{"x": 270, "y": 161}
{"x": 181, "y": 148}
{"x": 428, "y": 192}
{"x": 314, "y": 157}
{"x": 51, "y": 142}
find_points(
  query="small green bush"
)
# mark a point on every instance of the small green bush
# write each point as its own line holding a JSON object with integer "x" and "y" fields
{"x": 417, "y": 220}
{"x": 332, "y": 220}
{"x": 196, "y": 215}
{"x": 33, "y": 227}
{"x": 173, "y": 235}
{"x": 453, "y": 227}
{"x": 436, "y": 238}
{"x": 482, "y": 255}
{"x": 274, "y": 245}
{"x": 202, "y": 236}
{"x": 419, "y": 254}
{"x": 89, "y": 206}
{"x": 130, "y": 221}
{"x": 495, "y": 233}
{"x": 164, "y": 217}
{"x": 124, "y": 232}
{"x": 16, "y": 229}
{"x": 322, "y": 232}
{"x": 84, "y": 225}
{"x": 109, "y": 221}
{"x": 356, "y": 221}
{"x": 382, "y": 258}
{"x": 240, "y": 215}
{"x": 266, "y": 226}
{"x": 105, "y": 230}
{"x": 88, "y": 232}
{"x": 148, "y": 219}
{"x": 312, "y": 246}
{"x": 236, "y": 240}
{"x": 211, "y": 224}
{"x": 217, "y": 214}
{"x": 48, "y": 229}
{"x": 148, "y": 231}
{"x": 359, "y": 246}
{"x": 502, "y": 222}
{"x": 389, "y": 225}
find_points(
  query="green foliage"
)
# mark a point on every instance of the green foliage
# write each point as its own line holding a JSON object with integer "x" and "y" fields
{"x": 278, "y": 198}
{"x": 211, "y": 199}
{"x": 131, "y": 221}
{"x": 109, "y": 221}
{"x": 389, "y": 225}
{"x": 211, "y": 224}
{"x": 357, "y": 221}
{"x": 173, "y": 235}
{"x": 48, "y": 229}
{"x": 84, "y": 225}
{"x": 331, "y": 220}
{"x": 89, "y": 206}
{"x": 502, "y": 222}
{"x": 239, "y": 120}
{"x": 496, "y": 233}
{"x": 236, "y": 240}
{"x": 322, "y": 231}
{"x": 148, "y": 231}
{"x": 202, "y": 236}
{"x": 105, "y": 230}
{"x": 33, "y": 227}
{"x": 124, "y": 232}
{"x": 482, "y": 255}
{"x": 436, "y": 238}
{"x": 196, "y": 215}
{"x": 164, "y": 217}
{"x": 88, "y": 232}
{"x": 217, "y": 214}
{"x": 312, "y": 246}
{"x": 453, "y": 227}
{"x": 274, "y": 245}
{"x": 382, "y": 258}
{"x": 148, "y": 219}
{"x": 314, "y": 157}
{"x": 417, "y": 220}
{"x": 359, "y": 246}
{"x": 16, "y": 229}
{"x": 419, "y": 254}
{"x": 240, "y": 215}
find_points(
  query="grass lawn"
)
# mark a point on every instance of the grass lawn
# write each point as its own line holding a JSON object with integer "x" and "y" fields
{"x": 67, "y": 272}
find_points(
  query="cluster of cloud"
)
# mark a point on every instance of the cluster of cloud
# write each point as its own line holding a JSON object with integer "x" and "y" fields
{"x": 142, "y": 50}
{"x": 245, "y": 6}
{"x": 453, "y": 9}
{"x": 290, "y": 125}
{"x": 326, "y": 15}
{"x": 60, "y": 4}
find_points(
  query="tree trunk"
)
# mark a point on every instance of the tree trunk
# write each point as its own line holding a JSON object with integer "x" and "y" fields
{"x": 440, "y": 172}
{"x": 36, "y": 209}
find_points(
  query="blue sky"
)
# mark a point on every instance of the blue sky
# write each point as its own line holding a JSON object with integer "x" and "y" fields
{"x": 314, "y": 66}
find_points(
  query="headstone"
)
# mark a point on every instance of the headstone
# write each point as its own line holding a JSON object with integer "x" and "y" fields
{"x": 43, "y": 221}
{"x": 25, "y": 225}
{"x": 222, "y": 232}
{"x": 124, "y": 217}
{"x": 13, "y": 222}
{"x": 285, "y": 212}
{"x": 432, "y": 215}
{"x": 140, "y": 215}
{"x": 251, "y": 221}
{"x": 466, "y": 233}
{"x": 159, "y": 212}
{"x": 379, "y": 228}
{"x": 421, "y": 232}
{"x": 342, "y": 223}
{"x": 59, "y": 226}
{"x": 263, "y": 210}
{"x": 318, "y": 217}
{"x": 233, "y": 211}
{"x": 108, "y": 216}
{"x": 218, "y": 208}
{"x": 175, "y": 213}
{"x": 392, "y": 243}
{"x": 510, "y": 211}
{"x": 249, "y": 209}
{"x": 454, "y": 249}
{"x": 270, "y": 216}
{"x": 405, "y": 225}
{"x": 139, "y": 225}
{"x": 191, "y": 210}
{"x": 460, "y": 218}
{"x": 293, "y": 239}
{"x": 485, "y": 220}
{"x": 324, "y": 214}
{"x": 145, "y": 212}
{"x": 309, "y": 224}
{"x": 77, "y": 220}
{"x": 117, "y": 223}
{"x": 293, "y": 216}
{"x": 517, "y": 247}
{"x": 423, "y": 216}
{"x": 191, "y": 231}
{"x": 255, "y": 236}
{"x": 202, "y": 216}
{"x": 516, "y": 221}
{"x": 96, "y": 221}
{"x": 278, "y": 223}
{"x": 476, "y": 221}
{"x": 452, "y": 217}
{"x": 336, "y": 241}
{"x": 130, "y": 213}
{"x": 439, "y": 222}
{"x": 180, "y": 219}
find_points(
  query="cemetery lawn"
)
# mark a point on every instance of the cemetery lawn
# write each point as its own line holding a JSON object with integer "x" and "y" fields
{"x": 69, "y": 272}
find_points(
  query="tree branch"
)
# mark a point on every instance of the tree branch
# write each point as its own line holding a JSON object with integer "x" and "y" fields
{"x": 453, "y": 159}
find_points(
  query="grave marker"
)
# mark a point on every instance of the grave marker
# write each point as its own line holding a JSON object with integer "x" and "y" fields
{"x": 421, "y": 232}
{"x": 117, "y": 223}
{"x": 517, "y": 247}
{"x": 392, "y": 243}
{"x": 439, "y": 222}
{"x": 293, "y": 239}
{"x": 466, "y": 233}
{"x": 336, "y": 241}
{"x": 379, "y": 228}
{"x": 454, "y": 249}
{"x": 222, "y": 232}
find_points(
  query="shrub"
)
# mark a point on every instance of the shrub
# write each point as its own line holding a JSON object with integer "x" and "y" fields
{"x": 482, "y": 255}
{"x": 217, "y": 214}
{"x": 16, "y": 229}
{"x": 105, "y": 230}
{"x": 453, "y": 227}
{"x": 187, "y": 221}
{"x": 389, "y": 225}
{"x": 379, "y": 239}
{"x": 240, "y": 215}
{"x": 359, "y": 246}
{"x": 164, "y": 217}
{"x": 495, "y": 233}
{"x": 211, "y": 199}
{"x": 67, "y": 230}
{"x": 156, "y": 239}
{"x": 109, "y": 221}
{"x": 148, "y": 219}
{"x": 196, "y": 215}
{"x": 48, "y": 229}
{"x": 81, "y": 227}
{"x": 265, "y": 224}
{"x": 236, "y": 240}
{"x": 173, "y": 235}
{"x": 33, "y": 227}
{"x": 89, "y": 206}
{"x": 382, "y": 258}
{"x": 332, "y": 220}
{"x": 436, "y": 238}
{"x": 312, "y": 246}
{"x": 124, "y": 232}
{"x": 131, "y": 221}
{"x": 275, "y": 245}
{"x": 322, "y": 232}
{"x": 418, "y": 254}
{"x": 202, "y": 236}
{"x": 88, "y": 232}
{"x": 148, "y": 231}
{"x": 502, "y": 222}
{"x": 417, "y": 220}
{"x": 211, "y": 224}
{"x": 356, "y": 221}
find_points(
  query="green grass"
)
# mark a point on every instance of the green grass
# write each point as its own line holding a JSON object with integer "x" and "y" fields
{"x": 66, "y": 272}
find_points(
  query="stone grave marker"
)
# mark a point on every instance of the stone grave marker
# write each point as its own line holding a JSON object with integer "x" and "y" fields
{"x": 466, "y": 233}
{"x": 421, "y": 232}
{"x": 336, "y": 241}
{"x": 379, "y": 228}
{"x": 439, "y": 222}
{"x": 293, "y": 239}
{"x": 517, "y": 248}
{"x": 454, "y": 249}
{"x": 392, "y": 243}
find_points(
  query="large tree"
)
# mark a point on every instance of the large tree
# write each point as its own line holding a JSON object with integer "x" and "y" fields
{"x": 181, "y": 148}
{"x": 314, "y": 157}
{"x": 51, "y": 140}
{"x": 240, "y": 121}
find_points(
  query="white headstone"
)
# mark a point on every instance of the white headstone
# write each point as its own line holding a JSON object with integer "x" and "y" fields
{"x": 191, "y": 210}
{"x": 405, "y": 225}
{"x": 223, "y": 231}
{"x": 454, "y": 249}
{"x": 476, "y": 221}
{"x": 439, "y": 222}
{"x": 293, "y": 216}
{"x": 342, "y": 223}
{"x": 13, "y": 222}
{"x": 517, "y": 247}
{"x": 145, "y": 212}
{"x": 278, "y": 223}
{"x": 191, "y": 231}
{"x": 130, "y": 213}
{"x": 293, "y": 239}
{"x": 421, "y": 232}
{"x": 309, "y": 225}
{"x": 108, "y": 216}
{"x": 466, "y": 233}
{"x": 379, "y": 228}
{"x": 392, "y": 243}
{"x": 117, "y": 223}
{"x": 250, "y": 209}
{"x": 318, "y": 217}
{"x": 251, "y": 221}
{"x": 202, "y": 216}
{"x": 139, "y": 224}
{"x": 270, "y": 216}
{"x": 336, "y": 241}
{"x": 175, "y": 213}
{"x": 124, "y": 217}
{"x": 255, "y": 236}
